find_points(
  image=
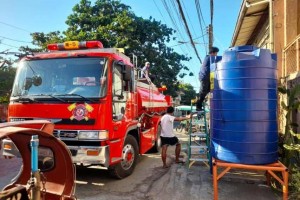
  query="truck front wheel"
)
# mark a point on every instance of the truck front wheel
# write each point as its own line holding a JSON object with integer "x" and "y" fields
{"x": 129, "y": 159}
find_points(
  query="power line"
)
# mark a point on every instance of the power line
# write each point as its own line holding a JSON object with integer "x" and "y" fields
{"x": 178, "y": 32}
{"x": 187, "y": 29}
{"x": 8, "y": 45}
{"x": 187, "y": 14}
{"x": 14, "y": 39}
{"x": 160, "y": 12}
{"x": 171, "y": 17}
{"x": 200, "y": 16}
{"x": 188, "y": 47}
{"x": 15, "y": 27}
{"x": 180, "y": 21}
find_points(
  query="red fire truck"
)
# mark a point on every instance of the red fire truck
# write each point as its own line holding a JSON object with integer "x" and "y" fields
{"x": 102, "y": 111}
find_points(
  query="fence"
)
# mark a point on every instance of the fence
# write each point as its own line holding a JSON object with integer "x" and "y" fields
{"x": 291, "y": 59}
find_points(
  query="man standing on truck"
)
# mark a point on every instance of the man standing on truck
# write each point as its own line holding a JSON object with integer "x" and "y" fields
{"x": 168, "y": 137}
{"x": 145, "y": 72}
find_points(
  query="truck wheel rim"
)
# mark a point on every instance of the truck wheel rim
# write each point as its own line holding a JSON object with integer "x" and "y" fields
{"x": 128, "y": 156}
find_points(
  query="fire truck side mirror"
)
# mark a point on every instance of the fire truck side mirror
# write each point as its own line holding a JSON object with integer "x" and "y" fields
{"x": 37, "y": 80}
{"x": 28, "y": 83}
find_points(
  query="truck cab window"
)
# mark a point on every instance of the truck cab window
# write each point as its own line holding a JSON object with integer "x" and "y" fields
{"x": 42, "y": 79}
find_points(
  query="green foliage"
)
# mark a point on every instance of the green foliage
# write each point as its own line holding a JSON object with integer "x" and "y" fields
{"x": 297, "y": 135}
{"x": 291, "y": 140}
{"x": 7, "y": 74}
{"x": 295, "y": 179}
{"x": 188, "y": 93}
{"x": 115, "y": 25}
{"x": 282, "y": 90}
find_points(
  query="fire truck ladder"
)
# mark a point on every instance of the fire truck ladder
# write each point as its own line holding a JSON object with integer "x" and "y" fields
{"x": 199, "y": 139}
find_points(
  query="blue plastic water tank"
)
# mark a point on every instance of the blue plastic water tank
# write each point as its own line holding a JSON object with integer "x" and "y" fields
{"x": 244, "y": 107}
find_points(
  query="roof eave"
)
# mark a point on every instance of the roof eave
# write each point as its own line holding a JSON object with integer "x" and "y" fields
{"x": 243, "y": 11}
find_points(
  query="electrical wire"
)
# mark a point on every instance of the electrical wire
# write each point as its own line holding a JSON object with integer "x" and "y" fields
{"x": 15, "y": 27}
{"x": 187, "y": 29}
{"x": 8, "y": 45}
{"x": 187, "y": 14}
{"x": 14, "y": 39}
{"x": 178, "y": 32}
{"x": 159, "y": 11}
{"x": 175, "y": 27}
{"x": 200, "y": 18}
{"x": 181, "y": 22}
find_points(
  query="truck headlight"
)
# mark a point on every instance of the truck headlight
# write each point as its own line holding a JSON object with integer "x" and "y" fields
{"x": 93, "y": 135}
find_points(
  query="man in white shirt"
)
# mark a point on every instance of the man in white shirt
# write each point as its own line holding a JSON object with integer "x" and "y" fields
{"x": 145, "y": 70}
{"x": 168, "y": 137}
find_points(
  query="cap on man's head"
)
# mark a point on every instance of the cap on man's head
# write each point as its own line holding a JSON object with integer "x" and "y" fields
{"x": 214, "y": 50}
{"x": 147, "y": 63}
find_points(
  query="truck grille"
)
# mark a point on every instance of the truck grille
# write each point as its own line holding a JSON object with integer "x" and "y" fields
{"x": 64, "y": 134}
{"x": 70, "y": 138}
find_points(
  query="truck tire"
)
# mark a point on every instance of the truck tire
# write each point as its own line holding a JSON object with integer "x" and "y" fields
{"x": 129, "y": 159}
{"x": 157, "y": 146}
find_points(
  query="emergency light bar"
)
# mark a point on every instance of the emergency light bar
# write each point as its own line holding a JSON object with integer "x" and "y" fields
{"x": 71, "y": 45}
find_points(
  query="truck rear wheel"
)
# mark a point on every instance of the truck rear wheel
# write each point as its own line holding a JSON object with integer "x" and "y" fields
{"x": 157, "y": 146}
{"x": 129, "y": 159}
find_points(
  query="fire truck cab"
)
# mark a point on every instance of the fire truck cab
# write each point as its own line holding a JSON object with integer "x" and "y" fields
{"x": 101, "y": 110}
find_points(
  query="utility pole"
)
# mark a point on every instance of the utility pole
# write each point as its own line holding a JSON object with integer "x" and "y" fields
{"x": 210, "y": 26}
{"x": 210, "y": 37}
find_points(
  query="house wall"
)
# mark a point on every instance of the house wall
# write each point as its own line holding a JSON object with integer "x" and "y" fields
{"x": 298, "y": 17}
{"x": 290, "y": 41}
{"x": 292, "y": 21}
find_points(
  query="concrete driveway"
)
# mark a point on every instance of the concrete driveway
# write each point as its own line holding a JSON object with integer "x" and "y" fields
{"x": 150, "y": 181}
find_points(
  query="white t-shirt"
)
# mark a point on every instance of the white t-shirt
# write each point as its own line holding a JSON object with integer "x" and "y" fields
{"x": 144, "y": 71}
{"x": 167, "y": 126}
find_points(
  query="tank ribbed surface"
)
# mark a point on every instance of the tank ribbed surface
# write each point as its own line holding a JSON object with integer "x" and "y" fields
{"x": 244, "y": 107}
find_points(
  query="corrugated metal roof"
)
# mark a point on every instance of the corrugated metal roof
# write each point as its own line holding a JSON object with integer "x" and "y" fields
{"x": 249, "y": 20}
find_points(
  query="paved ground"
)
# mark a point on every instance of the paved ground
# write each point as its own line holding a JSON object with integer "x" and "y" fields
{"x": 151, "y": 182}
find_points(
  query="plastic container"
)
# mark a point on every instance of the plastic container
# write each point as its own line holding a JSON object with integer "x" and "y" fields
{"x": 244, "y": 107}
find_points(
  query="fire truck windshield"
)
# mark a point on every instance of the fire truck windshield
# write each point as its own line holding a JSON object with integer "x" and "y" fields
{"x": 56, "y": 79}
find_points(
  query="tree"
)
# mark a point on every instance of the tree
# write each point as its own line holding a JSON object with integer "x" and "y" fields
{"x": 7, "y": 74}
{"x": 115, "y": 25}
{"x": 188, "y": 93}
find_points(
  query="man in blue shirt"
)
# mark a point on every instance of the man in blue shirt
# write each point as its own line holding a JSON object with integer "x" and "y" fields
{"x": 204, "y": 78}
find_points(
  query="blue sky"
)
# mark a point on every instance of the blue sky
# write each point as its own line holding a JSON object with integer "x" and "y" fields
{"x": 19, "y": 18}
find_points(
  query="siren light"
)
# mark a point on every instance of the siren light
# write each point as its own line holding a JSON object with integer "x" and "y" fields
{"x": 72, "y": 45}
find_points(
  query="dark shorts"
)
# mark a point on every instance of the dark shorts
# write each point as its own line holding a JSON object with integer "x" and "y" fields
{"x": 169, "y": 140}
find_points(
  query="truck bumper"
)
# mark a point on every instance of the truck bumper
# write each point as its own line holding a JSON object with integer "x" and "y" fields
{"x": 80, "y": 154}
{"x": 90, "y": 155}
